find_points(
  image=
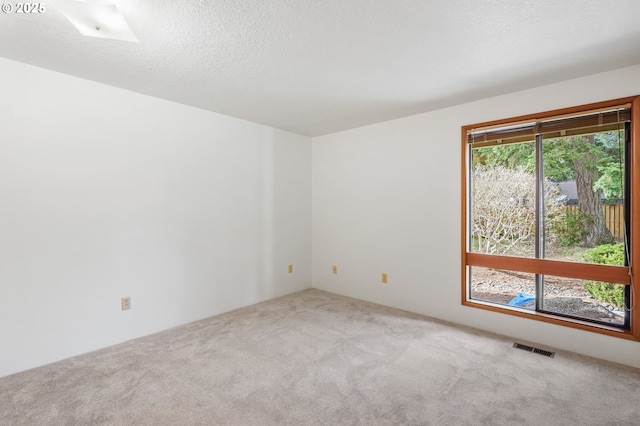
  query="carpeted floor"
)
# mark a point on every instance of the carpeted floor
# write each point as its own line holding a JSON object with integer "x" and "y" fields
{"x": 315, "y": 358}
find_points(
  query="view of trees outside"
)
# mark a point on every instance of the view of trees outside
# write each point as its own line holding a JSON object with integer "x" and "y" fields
{"x": 503, "y": 218}
{"x": 504, "y": 209}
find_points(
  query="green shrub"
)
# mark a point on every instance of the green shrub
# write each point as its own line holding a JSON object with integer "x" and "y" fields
{"x": 569, "y": 227}
{"x": 606, "y": 292}
{"x": 607, "y": 254}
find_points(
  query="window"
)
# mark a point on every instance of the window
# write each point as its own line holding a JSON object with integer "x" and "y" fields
{"x": 549, "y": 206}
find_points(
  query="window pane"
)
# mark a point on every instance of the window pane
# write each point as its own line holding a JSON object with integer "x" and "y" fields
{"x": 584, "y": 205}
{"x": 503, "y": 200}
{"x": 561, "y": 197}
{"x": 592, "y": 300}
{"x": 503, "y": 287}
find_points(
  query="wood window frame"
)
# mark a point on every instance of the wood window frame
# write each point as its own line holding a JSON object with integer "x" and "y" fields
{"x": 623, "y": 275}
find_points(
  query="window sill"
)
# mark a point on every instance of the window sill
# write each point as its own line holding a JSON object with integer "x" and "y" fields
{"x": 554, "y": 319}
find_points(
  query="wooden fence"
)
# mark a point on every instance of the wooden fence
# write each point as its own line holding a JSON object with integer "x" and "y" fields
{"x": 613, "y": 217}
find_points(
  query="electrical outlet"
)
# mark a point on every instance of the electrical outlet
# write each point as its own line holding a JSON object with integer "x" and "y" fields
{"x": 125, "y": 303}
{"x": 335, "y": 269}
{"x": 291, "y": 269}
{"x": 384, "y": 277}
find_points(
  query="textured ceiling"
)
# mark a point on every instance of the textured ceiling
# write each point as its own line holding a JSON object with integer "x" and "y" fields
{"x": 319, "y": 66}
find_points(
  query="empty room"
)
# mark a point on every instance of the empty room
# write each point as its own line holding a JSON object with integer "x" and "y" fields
{"x": 319, "y": 212}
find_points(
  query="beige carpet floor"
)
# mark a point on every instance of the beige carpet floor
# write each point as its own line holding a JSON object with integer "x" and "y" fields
{"x": 315, "y": 358}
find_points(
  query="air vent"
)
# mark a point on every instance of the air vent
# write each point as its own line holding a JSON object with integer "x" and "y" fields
{"x": 534, "y": 350}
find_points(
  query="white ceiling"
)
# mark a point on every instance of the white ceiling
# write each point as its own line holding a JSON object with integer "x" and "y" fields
{"x": 320, "y": 66}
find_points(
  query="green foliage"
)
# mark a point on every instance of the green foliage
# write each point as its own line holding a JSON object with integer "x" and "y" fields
{"x": 607, "y": 152}
{"x": 606, "y": 292}
{"x": 558, "y": 159}
{"x": 512, "y": 156}
{"x": 610, "y": 181}
{"x": 607, "y": 254}
{"x": 559, "y": 156}
{"x": 612, "y": 144}
{"x": 610, "y": 164}
{"x": 569, "y": 227}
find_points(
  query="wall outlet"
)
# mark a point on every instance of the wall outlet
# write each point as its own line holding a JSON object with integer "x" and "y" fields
{"x": 335, "y": 269}
{"x": 291, "y": 269}
{"x": 125, "y": 302}
{"x": 384, "y": 277}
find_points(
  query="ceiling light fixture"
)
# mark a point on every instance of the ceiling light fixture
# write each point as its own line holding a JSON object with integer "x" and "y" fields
{"x": 96, "y": 19}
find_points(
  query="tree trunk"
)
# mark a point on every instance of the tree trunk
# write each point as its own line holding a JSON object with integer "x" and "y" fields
{"x": 589, "y": 201}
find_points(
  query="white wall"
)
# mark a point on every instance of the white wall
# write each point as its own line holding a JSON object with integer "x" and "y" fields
{"x": 386, "y": 198}
{"x": 106, "y": 193}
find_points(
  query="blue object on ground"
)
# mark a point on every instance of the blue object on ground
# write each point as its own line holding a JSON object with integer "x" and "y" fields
{"x": 521, "y": 299}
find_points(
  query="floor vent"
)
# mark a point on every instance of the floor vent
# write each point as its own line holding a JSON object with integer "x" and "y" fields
{"x": 534, "y": 350}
